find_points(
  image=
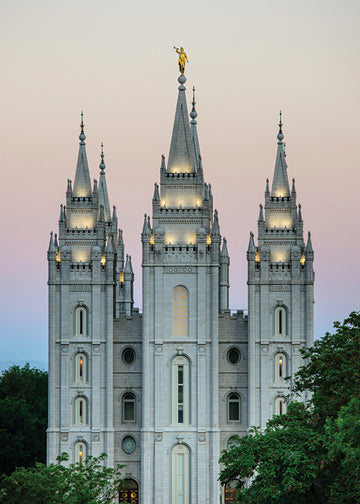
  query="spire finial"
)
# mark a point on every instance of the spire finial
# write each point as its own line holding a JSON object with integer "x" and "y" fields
{"x": 102, "y": 165}
{"x": 193, "y": 113}
{"x": 82, "y": 136}
{"x": 280, "y": 136}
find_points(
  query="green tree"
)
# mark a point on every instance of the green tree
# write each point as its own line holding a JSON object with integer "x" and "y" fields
{"x": 312, "y": 453}
{"x": 88, "y": 483}
{"x": 23, "y": 417}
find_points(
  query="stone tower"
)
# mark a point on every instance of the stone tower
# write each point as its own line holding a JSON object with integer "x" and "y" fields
{"x": 281, "y": 295}
{"x": 181, "y": 264}
{"x": 84, "y": 262}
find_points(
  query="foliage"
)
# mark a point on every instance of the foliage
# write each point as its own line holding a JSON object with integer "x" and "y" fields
{"x": 312, "y": 453}
{"x": 23, "y": 417}
{"x": 88, "y": 483}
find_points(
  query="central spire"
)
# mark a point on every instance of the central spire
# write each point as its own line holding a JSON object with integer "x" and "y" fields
{"x": 182, "y": 154}
{"x": 82, "y": 184}
{"x": 280, "y": 185}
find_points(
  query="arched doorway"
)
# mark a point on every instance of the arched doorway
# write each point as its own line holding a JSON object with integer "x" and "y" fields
{"x": 129, "y": 494}
{"x": 230, "y": 492}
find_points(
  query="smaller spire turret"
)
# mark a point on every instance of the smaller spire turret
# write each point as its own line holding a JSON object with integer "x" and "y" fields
{"x": 51, "y": 243}
{"x": 293, "y": 190}
{"x": 120, "y": 238}
{"x": 56, "y": 244}
{"x": 145, "y": 230}
{"x": 309, "y": 249}
{"x": 215, "y": 227}
{"x": 224, "y": 250}
{"x": 261, "y": 214}
{"x": 95, "y": 187}
{"x": 162, "y": 167}
{"x": 299, "y": 216}
{"x": 103, "y": 192}
{"x": 62, "y": 216}
{"x": 156, "y": 196}
{"x": 267, "y": 190}
{"x": 251, "y": 246}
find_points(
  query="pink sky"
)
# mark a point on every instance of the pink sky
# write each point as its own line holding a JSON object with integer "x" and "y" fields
{"x": 115, "y": 61}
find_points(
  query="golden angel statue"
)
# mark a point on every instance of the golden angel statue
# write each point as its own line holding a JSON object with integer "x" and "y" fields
{"x": 182, "y": 59}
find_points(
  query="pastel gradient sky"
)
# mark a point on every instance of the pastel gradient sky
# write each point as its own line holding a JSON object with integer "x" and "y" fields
{"x": 114, "y": 60}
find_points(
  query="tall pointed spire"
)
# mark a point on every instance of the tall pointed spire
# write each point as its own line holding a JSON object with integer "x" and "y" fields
{"x": 280, "y": 185}
{"x": 182, "y": 154}
{"x": 82, "y": 184}
{"x": 193, "y": 123}
{"x": 103, "y": 193}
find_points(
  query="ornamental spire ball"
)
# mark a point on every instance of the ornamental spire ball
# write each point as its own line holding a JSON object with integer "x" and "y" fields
{"x": 82, "y": 136}
{"x": 280, "y": 134}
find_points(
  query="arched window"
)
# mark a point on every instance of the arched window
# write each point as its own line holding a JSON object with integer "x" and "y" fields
{"x": 233, "y": 407}
{"x": 280, "y": 367}
{"x": 280, "y": 321}
{"x": 180, "y": 390}
{"x": 180, "y": 475}
{"x": 81, "y": 368}
{"x": 81, "y": 321}
{"x": 80, "y": 452}
{"x": 280, "y": 405}
{"x": 80, "y": 411}
{"x": 180, "y": 311}
{"x": 128, "y": 407}
{"x": 129, "y": 492}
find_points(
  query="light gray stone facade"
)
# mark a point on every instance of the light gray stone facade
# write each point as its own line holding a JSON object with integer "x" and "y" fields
{"x": 163, "y": 391}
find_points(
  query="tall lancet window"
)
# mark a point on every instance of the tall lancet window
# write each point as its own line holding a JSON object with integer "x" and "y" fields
{"x": 81, "y": 368}
{"x": 81, "y": 321}
{"x": 280, "y": 321}
{"x": 280, "y": 405}
{"x": 280, "y": 367}
{"x": 180, "y": 474}
{"x": 180, "y": 311}
{"x": 80, "y": 411}
{"x": 80, "y": 452}
{"x": 180, "y": 390}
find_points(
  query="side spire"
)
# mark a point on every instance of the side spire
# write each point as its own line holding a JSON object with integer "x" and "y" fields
{"x": 182, "y": 154}
{"x": 193, "y": 123}
{"x": 103, "y": 193}
{"x": 82, "y": 184}
{"x": 280, "y": 185}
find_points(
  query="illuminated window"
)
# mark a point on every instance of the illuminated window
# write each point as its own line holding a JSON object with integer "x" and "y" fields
{"x": 180, "y": 311}
{"x": 280, "y": 406}
{"x": 80, "y": 411}
{"x": 80, "y": 452}
{"x": 81, "y": 368}
{"x": 280, "y": 319}
{"x": 129, "y": 492}
{"x": 81, "y": 321}
{"x": 234, "y": 408}
{"x": 280, "y": 367}
{"x": 180, "y": 475}
{"x": 129, "y": 402}
{"x": 180, "y": 390}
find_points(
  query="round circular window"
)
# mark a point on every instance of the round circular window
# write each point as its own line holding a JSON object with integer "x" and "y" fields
{"x": 128, "y": 356}
{"x": 233, "y": 356}
{"x": 128, "y": 444}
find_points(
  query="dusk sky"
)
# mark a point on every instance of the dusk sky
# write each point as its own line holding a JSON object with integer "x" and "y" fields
{"x": 115, "y": 61}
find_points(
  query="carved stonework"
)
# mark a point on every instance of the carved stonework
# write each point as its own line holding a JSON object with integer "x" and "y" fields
{"x": 64, "y": 436}
{"x": 158, "y": 437}
{"x": 279, "y": 288}
{"x": 80, "y": 288}
{"x": 184, "y": 269}
{"x": 202, "y": 437}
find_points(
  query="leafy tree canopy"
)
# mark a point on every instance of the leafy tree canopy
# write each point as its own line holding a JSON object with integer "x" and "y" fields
{"x": 88, "y": 483}
{"x": 312, "y": 453}
{"x": 23, "y": 417}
